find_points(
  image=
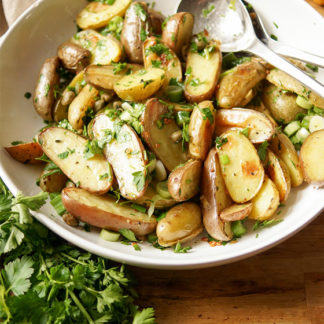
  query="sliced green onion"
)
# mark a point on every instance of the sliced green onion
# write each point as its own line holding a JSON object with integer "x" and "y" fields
{"x": 305, "y": 122}
{"x": 295, "y": 140}
{"x": 238, "y": 228}
{"x": 319, "y": 111}
{"x": 303, "y": 102}
{"x": 302, "y": 134}
{"x": 109, "y": 235}
{"x": 162, "y": 189}
{"x": 292, "y": 128}
{"x": 316, "y": 123}
{"x": 174, "y": 93}
{"x": 224, "y": 159}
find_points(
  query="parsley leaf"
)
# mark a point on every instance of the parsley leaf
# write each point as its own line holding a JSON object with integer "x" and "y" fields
{"x": 146, "y": 316}
{"x": 128, "y": 234}
{"x": 262, "y": 150}
{"x": 266, "y": 223}
{"x": 179, "y": 249}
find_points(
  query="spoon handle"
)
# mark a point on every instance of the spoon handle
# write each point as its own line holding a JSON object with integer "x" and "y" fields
{"x": 295, "y": 53}
{"x": 259, "y": 49}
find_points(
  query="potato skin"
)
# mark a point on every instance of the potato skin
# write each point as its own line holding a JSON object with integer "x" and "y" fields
{"x": 236, "y": 212}
{"x": 156, "y": 19}
{"x": 73, "y": 56}
{"x": 52, "y": 182}
{"x": 26, "y": 153}
{"x": 102, "y": 212}
{"x": 44, "y": 92}
{"x": 183, "y": 182}
{"x": 234, "y": 86}
{"x": 282, "y": 105}
{"x": 134, "y": 23}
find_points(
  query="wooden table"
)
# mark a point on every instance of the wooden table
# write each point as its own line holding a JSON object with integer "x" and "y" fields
{"x": 283, "y": 285}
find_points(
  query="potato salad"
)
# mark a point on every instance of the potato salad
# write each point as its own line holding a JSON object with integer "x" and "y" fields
{"x": 153, "y": 134}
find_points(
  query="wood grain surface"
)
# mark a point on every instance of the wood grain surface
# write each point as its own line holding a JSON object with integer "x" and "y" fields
{"x": 284, "y": 285}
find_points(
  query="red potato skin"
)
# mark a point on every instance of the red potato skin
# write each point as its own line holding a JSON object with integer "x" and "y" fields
{"x": 103, "y": 219}
{"x": 26, "y": 153}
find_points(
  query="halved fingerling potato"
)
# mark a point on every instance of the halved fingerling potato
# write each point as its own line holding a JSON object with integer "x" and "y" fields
{"x": 159, "y": 138}
{"x": 202, "y": 73}
{"x": 79, "y": 106}
{"x": 52, "y": 182}
{"x": 26, "y": 153}
{"x": 312, "y": 157}
{"x": 105, "y": 76}
{"x": 234, "y": 86}
{"x": 236, "y": 212}
{"x": 260, "y": 107}
{"x": 240, "y": 165}
{"x": 214, "y": 198}
{"x": 136, "y": 28}
{"x": 284, "y": 81}
{"x": 282, "y": 147}
{"x": 183, "y": 182}
{"x": 62, "y": 106}
{"x": 177, "y": 31}
{"x": 104, "y": 212}
{"x": 156, "y": 19}
{"x": 266, "y": 202}
{"x": 260, "y": 127}
{"x": 104, "y": 49}
{"x": 281, "y": 104}
{"x": 201, "y": 130}
{"x": 279, "y": 174}
{"x": 126, "y": 154}
{"x": 73, "y": 56}
{"x": 97, "y": 14}
{"x": 181, "y": 223}
{"x": 66, "y": 150}
{"x": 166, "y": 60}
{"x": 140, "y": 85}
{"x": 48, "y": 78}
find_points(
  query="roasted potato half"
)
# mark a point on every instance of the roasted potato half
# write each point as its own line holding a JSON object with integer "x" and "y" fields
{"x": 66, "y": 150}
{"x": 52, "y": 182}
{"x": 240, "y": 165}
{"x": 140, "y": 85}
{"x": 177, "y": 31}
{"x": 281, "y": 104}
{"x": 284, "y": 149}
{"x": 236, "y": 212}
{"x": 202, "y": 73}
{"x": 183, "y": 182}
{"x": 104, "y": 49}
{"x": 284, "y": 81}
{"x": 159, "y": 138}
{"x": 266, "y": 202}
{"x": 156, "y": 21}
{"x": 279, "y": 174}
{"x": 48, "y": 79}
{"x": 181, "y": 223}
{"x": 201, "y": 130}
{"x": 26, "y": 152}
{"x": 126, "y": 155}
{"x": 97, "y": 14}
{"x": 105, "y": 76}
{"x": 62, "y": 106}
{"x": 260, "y": 127}
{"x": 104, "y": 212}
{"x": 137, "y": 27}
{"x": 312, "y": 157}
{"x": 166, "y": 60}
{"x": 79, "y": 106}
{"x": 214, "y": 198}
{"x": 234, "y": 86}
{"x": 73, "y": 56}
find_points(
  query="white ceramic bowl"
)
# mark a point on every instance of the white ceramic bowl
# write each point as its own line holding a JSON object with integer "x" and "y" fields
{"x": 36, "y": 35}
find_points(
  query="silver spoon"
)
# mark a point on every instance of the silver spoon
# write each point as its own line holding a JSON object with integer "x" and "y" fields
{"x": 277, "y": 46}
{"x": 230, "y": 22}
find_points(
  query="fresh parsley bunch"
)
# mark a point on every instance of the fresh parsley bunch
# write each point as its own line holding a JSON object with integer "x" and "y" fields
{"x": 43, "y": 279}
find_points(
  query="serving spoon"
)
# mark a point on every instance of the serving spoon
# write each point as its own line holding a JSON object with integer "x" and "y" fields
{"x": 230, "y": 22}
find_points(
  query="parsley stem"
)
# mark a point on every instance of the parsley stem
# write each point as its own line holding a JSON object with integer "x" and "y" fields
{"x": 3, "y": 300}
{"x": 72, "y": 259}
{"x": 82, "y": 309}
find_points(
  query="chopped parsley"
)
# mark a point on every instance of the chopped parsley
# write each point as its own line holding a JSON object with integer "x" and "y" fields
{"x": 274, "y": 37}
{"x": 208, "y": 10}
{"x": 262, "y": 151}
{"x": 179, "y": 249}
{"x": 140, "y": 11}
{"x": 156, "y": 63}
{"x": 119, "y": 67}
{"x": 207, "y": 114}
{"x": 266, "y": 223}
{"x": 27, "y": 95}
{"x": 139, "y": 180}
{"x": 220, "y": 141}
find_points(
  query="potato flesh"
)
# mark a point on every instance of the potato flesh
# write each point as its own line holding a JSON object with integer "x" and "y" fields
{"x": 181, "y": 223}
{"x": 52, "y": 182}
{"x": 140, "y": 85}
{"x": 96, "y": 14}
{"x": 312, "y": 157}
{"x": 88, "y": 174}
{"x": 266, "y": 202}
{"x": 214, "y": 197}
{"x": 79, "y": 106}
{"x": 260, "y": 128}
{"x": 244, "y": 173}
{"x": 125, "y": 153}
{"x": 201, "y": 130}
{"x": 282, "y": 147}
{"x": 201, "y": 83}
{"x": 104, "y": 49}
